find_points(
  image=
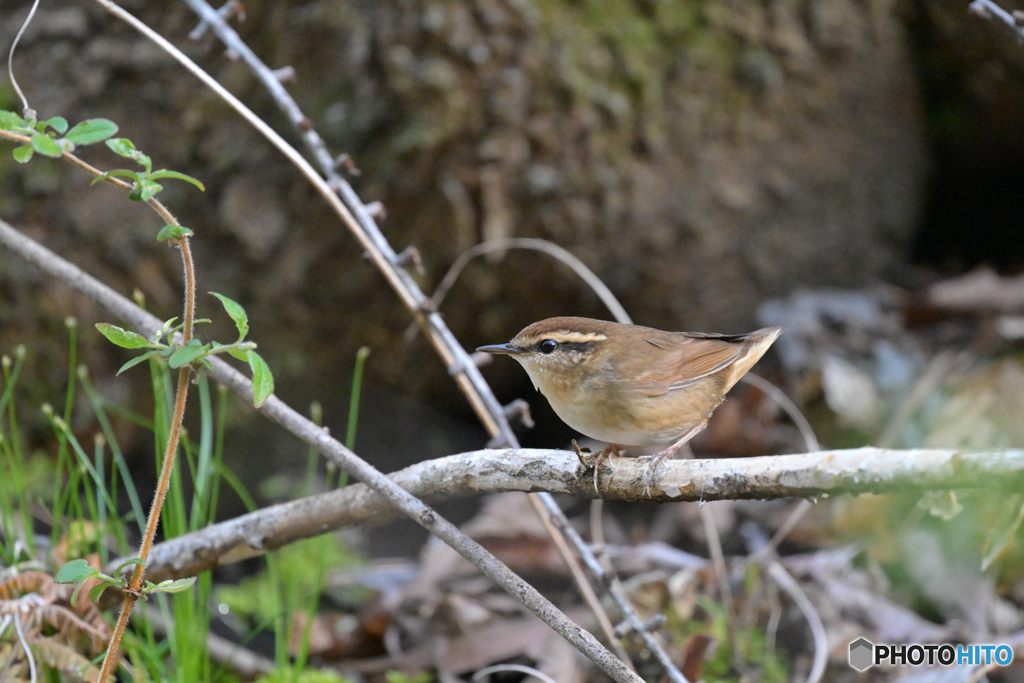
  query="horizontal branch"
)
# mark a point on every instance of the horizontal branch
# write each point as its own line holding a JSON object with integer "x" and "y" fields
{"x": 859, "y": 470}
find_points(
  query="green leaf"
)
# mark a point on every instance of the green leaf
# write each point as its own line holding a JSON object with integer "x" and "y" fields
{"x": 236, "y": 313}
{"x": 23, "y": 154}
{"x": 262, "y": 379}
{"x": 168, "y": 328}
{"x": 134, "y": 560}
{"x": 122, "y": 146}
{"x": 97, "y": 591}
{"x": 46, "y": 145}
{"x": 239, "y": 354}
{"x": 126, "y": 339}
{"x": 91, "y": 131}
{"x": 164, "y": 173}
{"x": 138, "y": 359}
{"x": 183, "y": 355}
{"x": 173, "y": 232}
{"x": 58, "y": 123}
{"x": 147, "y": 189}
{"x": 74, "y": 571}
{"x": 173, "y": 585}
{"x": 117, "y": 172}
{"x": 11, "y": 121}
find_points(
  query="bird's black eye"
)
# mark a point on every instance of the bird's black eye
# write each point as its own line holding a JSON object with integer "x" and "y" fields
{"x": 548, "y": 346}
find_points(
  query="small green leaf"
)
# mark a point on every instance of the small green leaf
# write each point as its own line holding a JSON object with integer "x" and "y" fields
{"x": 134, "y": 560}
{"x": 173, "y": 585}
{"x": 46, "y": 145}
{"x": 173, "y": 232}
{"x": 147, "y": 189}
{"x": 116, "y": 172}
{"x": 97, "y": 591}
{"x": 165, "y": 330}
{"x": 126, "y": 339}
{"x": 164, "y": 173}
{"x": 122, "y": 146}
{"x": 23, "y": 154}
{"x": 138, "y": 359}
{"x": 236, "y": 313}
{"x": 10, "y": 121}
{"x": 239, "y": 354}
{"x": 91, "y": 131}
{"x": 183, "y": 355}
{"x": 74, "y": 571}
{"x": 262, "y": 379}
{"x": 58, "y": 123}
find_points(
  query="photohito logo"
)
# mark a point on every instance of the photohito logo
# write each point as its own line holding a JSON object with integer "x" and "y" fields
{"x": 864, "y": 654}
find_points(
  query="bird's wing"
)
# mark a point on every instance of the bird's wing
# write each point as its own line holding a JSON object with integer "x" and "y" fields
{"x": 685, "y": 358}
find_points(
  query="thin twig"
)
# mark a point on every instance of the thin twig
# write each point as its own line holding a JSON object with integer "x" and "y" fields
{"x": 558, "y": 253}
{"x": 810, "y": 443}
{"x": 791, "y": 409}
{"x": 518, "y": 668}
{"x": 724, "y": 583}
{"x": 922, "y": 389}
{"x": 792, "y": 588}
{"x": 26, "y": 110}
{"x": 988, "y": 9}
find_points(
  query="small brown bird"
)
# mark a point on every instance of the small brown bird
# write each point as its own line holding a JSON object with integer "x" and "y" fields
{"x": 629, "y": 385}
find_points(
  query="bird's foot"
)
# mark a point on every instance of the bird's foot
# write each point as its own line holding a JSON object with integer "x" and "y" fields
{"x": 601, "y": 457}
{"x": 589, "y": 459}
{"x": 652, "y": 470}
{"x": 651, "y": 475}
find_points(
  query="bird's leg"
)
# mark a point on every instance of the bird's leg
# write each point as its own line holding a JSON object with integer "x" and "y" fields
{"x": 601, "y": 457}
{"x": 585, "y": 458}
{"x": 658, "y": 458}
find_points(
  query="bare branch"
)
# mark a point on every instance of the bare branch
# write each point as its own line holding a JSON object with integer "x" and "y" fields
{"x": 858, "y": 470}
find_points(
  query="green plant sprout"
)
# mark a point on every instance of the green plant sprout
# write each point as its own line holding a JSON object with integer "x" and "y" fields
{"x": 195, "y": 352}
{"x": 144, "y": 185}
{"x": 46, "y": 142}
{"x": 79, "y": 571}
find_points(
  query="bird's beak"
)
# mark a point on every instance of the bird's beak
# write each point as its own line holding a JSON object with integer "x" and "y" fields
{"x": 507, "y": 349}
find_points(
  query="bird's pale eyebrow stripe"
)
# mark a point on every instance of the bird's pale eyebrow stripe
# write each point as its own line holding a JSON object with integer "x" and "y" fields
{"x": 577, "y": 337}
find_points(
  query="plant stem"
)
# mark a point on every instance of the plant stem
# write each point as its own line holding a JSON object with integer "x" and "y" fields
{"x": 132, "y": 594}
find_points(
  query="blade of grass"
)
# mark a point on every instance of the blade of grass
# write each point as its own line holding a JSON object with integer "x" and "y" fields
{"x": 353, "y": 406}
{"x": 99, "y": 409}
{"x": 69, "y": 396}
{"x": 15, "y": 458}
{"x": 316, "y": 414}
{"x": 103, "y": 495}
{"x": 218, "y": 452}
{"x": 201, "y": 492}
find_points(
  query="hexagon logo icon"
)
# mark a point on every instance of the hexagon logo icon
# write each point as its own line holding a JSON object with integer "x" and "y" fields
{"x": 862, "y": 654}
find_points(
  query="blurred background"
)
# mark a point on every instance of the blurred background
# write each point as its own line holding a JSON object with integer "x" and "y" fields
{"x": 720, "y": 165}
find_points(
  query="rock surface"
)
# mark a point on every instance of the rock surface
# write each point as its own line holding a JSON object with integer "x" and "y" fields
{"x": 700, "y": 157}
